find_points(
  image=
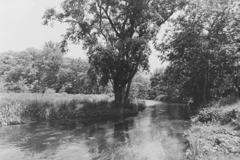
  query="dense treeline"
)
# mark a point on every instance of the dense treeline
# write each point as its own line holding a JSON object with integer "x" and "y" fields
{"x": 35, "y": 70}
{"x": 203, "y": 51}
{"x": 48, "y": 70}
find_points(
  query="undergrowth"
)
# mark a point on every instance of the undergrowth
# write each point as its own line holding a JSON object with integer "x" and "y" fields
{"x": 214, "y": 133}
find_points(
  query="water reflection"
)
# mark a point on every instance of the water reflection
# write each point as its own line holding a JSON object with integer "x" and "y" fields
{"x": 154, "y": 134}
{"x": 121, "y": 130}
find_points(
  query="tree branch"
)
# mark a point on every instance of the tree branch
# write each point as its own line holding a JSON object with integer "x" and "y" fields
{"x": 110, "y": 21}
{"x": 100, "y": 21}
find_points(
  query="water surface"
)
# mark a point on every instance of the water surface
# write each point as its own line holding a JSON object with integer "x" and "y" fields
{"x": 155, "y": 134}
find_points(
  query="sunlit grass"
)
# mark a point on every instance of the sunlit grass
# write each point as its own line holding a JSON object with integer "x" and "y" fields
{"x": 16, "y": 108}
{"x": 53, "y": 98}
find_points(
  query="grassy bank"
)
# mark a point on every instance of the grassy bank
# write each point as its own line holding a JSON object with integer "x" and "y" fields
{"x": 215, "y": 133}
{"x": 17, "y": 108}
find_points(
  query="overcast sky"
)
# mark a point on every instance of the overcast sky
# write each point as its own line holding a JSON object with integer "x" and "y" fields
{"x": 21, "y": 27}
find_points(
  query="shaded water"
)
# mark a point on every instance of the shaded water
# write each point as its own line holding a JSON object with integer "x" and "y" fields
{"x": 155, "y": 134}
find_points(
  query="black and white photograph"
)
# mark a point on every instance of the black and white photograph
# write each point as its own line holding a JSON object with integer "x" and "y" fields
{"x": 119, "y": 79}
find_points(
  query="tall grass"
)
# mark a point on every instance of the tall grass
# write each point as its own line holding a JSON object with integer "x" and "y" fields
{"x": 18, "y": 108}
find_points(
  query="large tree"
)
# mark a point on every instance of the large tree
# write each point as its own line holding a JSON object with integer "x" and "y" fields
{"x": 203, "y": 50}
{"x": 116, "y": 34}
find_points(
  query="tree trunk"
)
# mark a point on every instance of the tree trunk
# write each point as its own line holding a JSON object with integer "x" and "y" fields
{"x": 121, "y": 94}
{"x": 57, "y": 89}
{"x": 126, "y": 98}
{"x": 205, "y": 94}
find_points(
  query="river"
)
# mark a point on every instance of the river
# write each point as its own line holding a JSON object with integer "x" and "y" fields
{"x": 155, "y": 134}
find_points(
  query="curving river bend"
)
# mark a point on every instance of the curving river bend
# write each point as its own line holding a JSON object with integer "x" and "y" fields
{"x": 155, "y": 134}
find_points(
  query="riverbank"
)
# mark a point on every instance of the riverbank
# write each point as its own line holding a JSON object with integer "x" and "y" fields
{"x": 18, "y": 108}
{"x": 215, "y": 133}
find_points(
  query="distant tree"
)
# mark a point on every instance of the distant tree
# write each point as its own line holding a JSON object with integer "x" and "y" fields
{"x": 156, "y": 83}
{"x": 16, "y": 69}
{"x": 48, "y": 63}
{"x": 76, "y": 76}
{"x": 116, "y": 33}
{"x": 166, "y": 82}
{"x": 33, "y": 70}
{"x": 140, "y": 86}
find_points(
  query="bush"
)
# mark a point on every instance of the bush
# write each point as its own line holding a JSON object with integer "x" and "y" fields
{"x": 215, "y": 133}
{"x": 219, "y": 111}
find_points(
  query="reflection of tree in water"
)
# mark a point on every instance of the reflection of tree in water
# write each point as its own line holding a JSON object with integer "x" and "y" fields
{"x": 43, "y": 138}
{"x": 152, "y": 135}
{"x": 157, "y": 127}
{"x": 105, "y": 139}
{"x": 97, "y": 138}
{"x": 169, "y": 122}
{"x": 178, "y": 112}
{"x": 171, "y": 112}
{"x": 121, "y": 130}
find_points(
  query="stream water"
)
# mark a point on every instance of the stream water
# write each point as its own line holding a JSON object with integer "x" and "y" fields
{"x": 155, "y": 134}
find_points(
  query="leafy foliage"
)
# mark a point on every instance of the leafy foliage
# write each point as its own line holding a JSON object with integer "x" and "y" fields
{"x": 204, "y": 51}
{"x": 37, "y": 70}
{"x": 116, "y": 33}
{"x": 140, "y": 86}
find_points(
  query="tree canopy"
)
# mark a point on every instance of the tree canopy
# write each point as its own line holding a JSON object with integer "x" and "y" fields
{"x": 34, "y": 70}
{"x": 203, "y": 50}
{"x": 116, "y": 34}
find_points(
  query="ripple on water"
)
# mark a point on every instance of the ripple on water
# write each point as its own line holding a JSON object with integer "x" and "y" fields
{"x": 155, "y": 134}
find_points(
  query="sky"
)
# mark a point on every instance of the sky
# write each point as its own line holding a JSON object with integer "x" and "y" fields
{"x": 21, "y": 28}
